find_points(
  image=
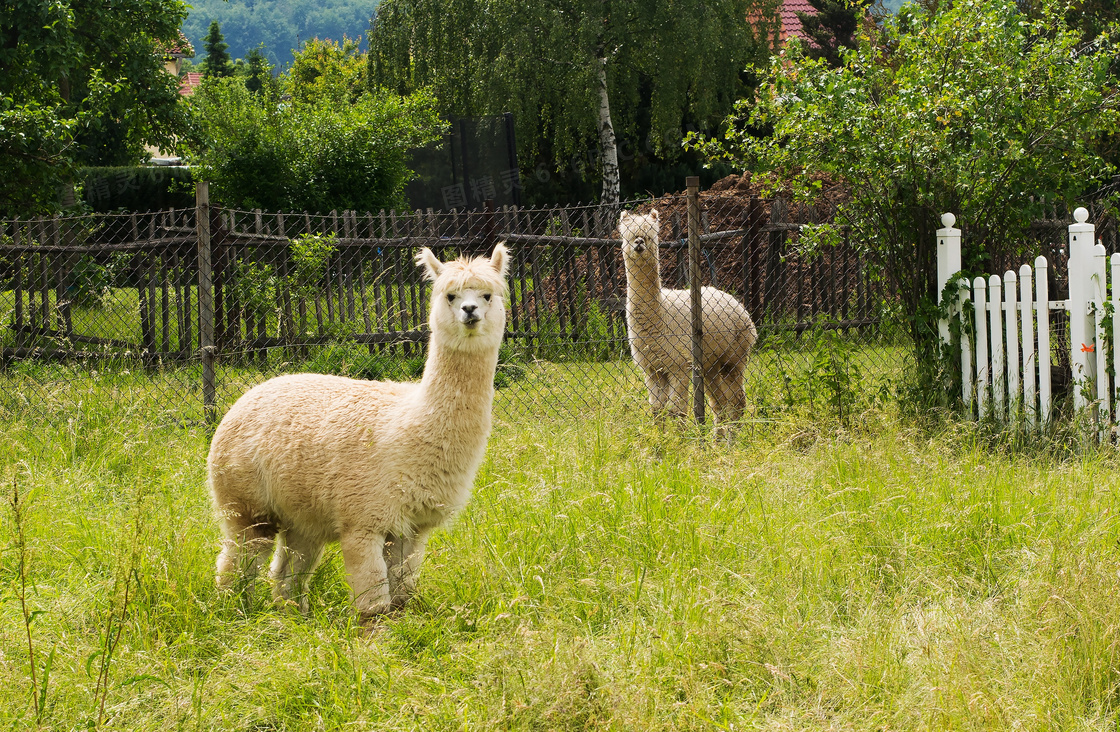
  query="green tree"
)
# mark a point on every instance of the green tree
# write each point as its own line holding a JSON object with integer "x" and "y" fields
{"x": 258, "y": 151}
{"x": 832, "y": 27}
{"x": 324, "y": 70}
{"x": 979, "y": 110}
{"x": 278, "y": 26}
{"x": 75, "y": 90}
{"x": 575, "y": 73}
{"x": 260, "y": 71}
{"x": 218, "y": 62}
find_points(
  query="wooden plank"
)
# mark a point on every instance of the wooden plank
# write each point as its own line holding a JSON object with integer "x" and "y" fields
{"x": 165, "y": 286}
{"x": 415, "y": 281}
{"x": 516, "y": 272}
{"x": 186, "y": 342}
{"x": 332, "y": 267}
{"x": 351, "y": 231}
{"x": 44, "y": 286}
{"x": 538, "y": 284}
{"x": 286, "y": 327}
{"x": 17, "y": 285}
{"x": 398, "y": 277}
{"x": 561, "y": 274}
{"x": 64, "y": 267}
{"x": 180, "y": 315}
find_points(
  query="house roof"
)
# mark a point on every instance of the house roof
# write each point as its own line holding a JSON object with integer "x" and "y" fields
{"x": 791, "y": 24}
{"x": 189, "y": 82}
{"x": 180, "y": 47}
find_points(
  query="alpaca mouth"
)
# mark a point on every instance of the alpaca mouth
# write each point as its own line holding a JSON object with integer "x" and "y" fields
{"x": 639, "y": 248}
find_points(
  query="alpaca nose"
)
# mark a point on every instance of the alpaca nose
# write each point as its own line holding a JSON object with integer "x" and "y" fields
{"x": 639, "y": 245}
{"x": 469, "y": 312}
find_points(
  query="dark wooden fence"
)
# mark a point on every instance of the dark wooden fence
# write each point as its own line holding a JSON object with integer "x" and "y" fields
{"x": 127, "y": 286}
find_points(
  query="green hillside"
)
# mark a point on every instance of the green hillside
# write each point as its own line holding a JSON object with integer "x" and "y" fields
{"x": 279, "y": 24}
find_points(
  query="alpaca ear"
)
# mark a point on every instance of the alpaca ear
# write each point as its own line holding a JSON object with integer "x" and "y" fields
{"x": 623, "y": 216}
{"x": 499, "y": 260}
{"x": 431, "y": 264}
{"x": 653, "y": 214}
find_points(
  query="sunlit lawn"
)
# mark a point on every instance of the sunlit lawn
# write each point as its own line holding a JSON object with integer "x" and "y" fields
{"x": 610, "y": 572}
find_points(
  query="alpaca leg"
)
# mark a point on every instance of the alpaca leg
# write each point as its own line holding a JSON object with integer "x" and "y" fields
{"x": 403, "y": 574}
{"x": 678, "y": 394}
{"x": 726, "y": 395}
{"x": 735, "y": 393}
{"x": 246, "y": 545}
{"x": 658, "y": 387}
{"x": 295, "y": 560}
{"x": 363, "y": 554}
{"x": 396, "y": 548}
{"x": 727, "y": 399}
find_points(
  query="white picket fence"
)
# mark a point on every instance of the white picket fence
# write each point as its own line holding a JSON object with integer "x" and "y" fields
{"x": 1005, "y": 353}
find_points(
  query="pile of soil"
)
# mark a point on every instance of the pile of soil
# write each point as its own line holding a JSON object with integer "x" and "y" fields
{"x": 727, "y": 203}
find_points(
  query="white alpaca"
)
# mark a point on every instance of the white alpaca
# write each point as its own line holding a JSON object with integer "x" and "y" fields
{"x": 307, "y": 459}
{"x": 660, "y": 325}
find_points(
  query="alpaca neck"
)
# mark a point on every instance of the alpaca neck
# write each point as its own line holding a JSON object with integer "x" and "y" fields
{"x": 643, "y": 294}
{"x": 459, "y": 383}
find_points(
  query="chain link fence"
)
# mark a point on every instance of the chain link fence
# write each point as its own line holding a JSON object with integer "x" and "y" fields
{"x": 109, "y": 308}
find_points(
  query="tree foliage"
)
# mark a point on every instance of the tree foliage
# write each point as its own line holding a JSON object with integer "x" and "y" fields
{"x": 669, "y": 66}
{"x": 259, "y": 70}
{"x": 979, "y": 110}
{"x": 324, "y": 70}
{"x": 281, "y": 27}
{"x": 217, "y": 62}
{"x": 306, "y": 150}
{"x": 76, "y": 90}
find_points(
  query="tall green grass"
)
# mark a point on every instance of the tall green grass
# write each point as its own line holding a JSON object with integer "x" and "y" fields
{"x": 610, "y": 572}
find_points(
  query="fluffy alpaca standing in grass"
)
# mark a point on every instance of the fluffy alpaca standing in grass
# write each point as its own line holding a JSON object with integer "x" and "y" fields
{"x": 659, "y": 321}
{"x": 307, "y": 459}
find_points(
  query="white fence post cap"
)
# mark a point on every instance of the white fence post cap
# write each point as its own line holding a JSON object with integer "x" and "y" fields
{"x": 948, "y": 219}
{"x": 1081, "y": 223}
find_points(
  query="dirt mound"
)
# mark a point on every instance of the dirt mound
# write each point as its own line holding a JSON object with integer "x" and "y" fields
{"x": 727, "y": 204}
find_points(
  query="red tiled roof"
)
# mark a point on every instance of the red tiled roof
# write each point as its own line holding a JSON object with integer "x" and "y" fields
{"x": 189, "y": 83}
{"x": 178, "y": 48}
{"x": 791, "y": 24}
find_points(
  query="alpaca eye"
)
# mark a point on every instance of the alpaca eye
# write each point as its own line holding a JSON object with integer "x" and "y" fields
{"x": 450, "y": 297}
{"x": 486, "y": 297}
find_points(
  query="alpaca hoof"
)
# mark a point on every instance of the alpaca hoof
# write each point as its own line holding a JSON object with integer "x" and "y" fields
{"x": 370, "y": 629}
{"x": 375, "y": 613}
{"x": 284, "y": 604}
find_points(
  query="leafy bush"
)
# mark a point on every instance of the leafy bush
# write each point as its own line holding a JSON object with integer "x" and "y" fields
{"x": 279, "y": 154}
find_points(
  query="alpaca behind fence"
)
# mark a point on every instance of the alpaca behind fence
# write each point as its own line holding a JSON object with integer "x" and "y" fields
{"x": 660, "y": 326}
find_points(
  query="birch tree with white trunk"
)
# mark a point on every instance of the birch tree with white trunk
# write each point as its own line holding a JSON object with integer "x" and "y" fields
{"x": 578, "y": 75}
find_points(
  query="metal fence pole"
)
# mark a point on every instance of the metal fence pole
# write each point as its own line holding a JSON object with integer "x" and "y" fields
{"x": 692, "y": 182}
{"x": 205, "y": 300}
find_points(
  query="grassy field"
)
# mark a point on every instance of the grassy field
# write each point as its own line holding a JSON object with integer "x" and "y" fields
{"x": 826, "y": 377}
{"x": 610, "y": 572}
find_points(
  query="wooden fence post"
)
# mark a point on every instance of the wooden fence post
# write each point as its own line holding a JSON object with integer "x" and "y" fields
{"x": 693, "y": 184}
{"x": 949, "y": 266}
{"x": 205, "y": 300}
{"x": 1082, "y": 339}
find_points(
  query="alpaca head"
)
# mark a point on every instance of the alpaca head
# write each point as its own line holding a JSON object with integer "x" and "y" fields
{"x": 639, "y": 238}
{"x": 468, "y": 311}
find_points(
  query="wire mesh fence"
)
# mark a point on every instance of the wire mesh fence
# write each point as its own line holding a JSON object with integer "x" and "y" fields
{"x": 111, "y": 307}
